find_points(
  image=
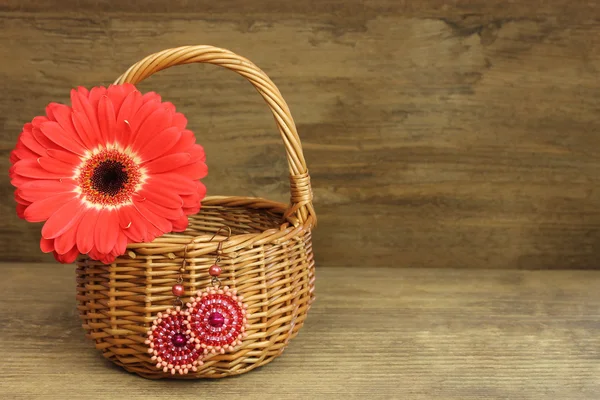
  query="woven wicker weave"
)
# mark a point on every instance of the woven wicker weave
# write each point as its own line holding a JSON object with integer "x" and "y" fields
{"x": 268, "y": 258}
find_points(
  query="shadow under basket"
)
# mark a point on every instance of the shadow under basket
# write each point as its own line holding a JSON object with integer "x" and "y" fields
{"x": 267, "y": 258}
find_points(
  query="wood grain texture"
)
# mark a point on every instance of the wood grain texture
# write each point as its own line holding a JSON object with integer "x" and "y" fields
{"x": 385, "y": 333}
{"x": 437, "y": 133}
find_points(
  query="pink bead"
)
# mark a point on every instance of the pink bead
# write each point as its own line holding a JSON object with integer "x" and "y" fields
{"x": 215, "y": 270}
{"x": 179, "y": 340}
{"x": 216, "y": 320}
{"x": 178, "y": 289}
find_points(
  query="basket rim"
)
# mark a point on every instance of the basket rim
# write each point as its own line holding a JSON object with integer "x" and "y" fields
{"x": 174, "y": 243}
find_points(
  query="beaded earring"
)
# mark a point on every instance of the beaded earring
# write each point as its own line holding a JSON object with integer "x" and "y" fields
{"x": 217, "y": 315}
{"x": 212, "y": 322}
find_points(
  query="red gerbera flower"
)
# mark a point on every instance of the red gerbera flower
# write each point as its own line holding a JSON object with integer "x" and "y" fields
{"x": 114, "y": 168}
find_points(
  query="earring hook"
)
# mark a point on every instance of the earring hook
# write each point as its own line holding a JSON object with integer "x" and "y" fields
{"x": 219, "y": 230}
{"x": 215, "y": 275}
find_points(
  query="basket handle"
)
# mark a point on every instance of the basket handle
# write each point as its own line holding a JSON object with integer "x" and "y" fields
{"x": 301, "y": 210}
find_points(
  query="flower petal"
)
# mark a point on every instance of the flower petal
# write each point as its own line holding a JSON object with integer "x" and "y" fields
{"x": 85, "y": 232}
{"x": 107, "y": 119}
{"x": 192, "y": 210}
{"x": 46, "y": 245}
{"x": 130, "y": 106}
{"x": 63, "y": 219}
{"x": 132, "y": 223}
{"x": 43, "y": 140}
{"x": 84, "y": 130}
{"x": 185, "y": 143}
{"x": 180, "y": 224}
{"x": 142, "y": 114}
{"x": 166, "y": 198}
{"x": 191, "y": 203}
{"x": 167, "y": 105}
{"x": 67, "y": 258}
{"x": 41, "y": 189}
{"x": 20, "y": 199}
{"x": 64, "y": 116}
{"x": 21, "y": 210}
{"x": 121, "y": 245}
{"x": 201, "y": 189}
{"x": 64, "y": 156}
{"x": 153, "y": 232}
{"x": 18, "y": 180}
{"x": 29, "y": 141}
{"x": 39, "y": 120}
{"x": 106, "y": 230}
{"x": 21, "y": 152}
{"x": 197, "y": 170}
{"x": 32, "y": 169}
{"x": 161, "y": 223}
{"x": 41, "y": 210}
{"x": 65, "y": 242}
{"x": 167, "y": 163}
{"x": 151, "y": 97}
{"x": 81, "y": 89}
{"x": 179, "y": 120}
{"x": 80, "y": 102}
{"x": 56, "y": 166}
{"x": 96, "y": 93}
{"x": 159, "y": 144}
{"x": 118, "y": 93}
{"x": 197, "y": 153}
{"x": 174, "y": 182}
{"x": 102, "y": 257}
{"x": 62, "y": 138}
{"x": 158, "y": 209}
{"x": 158, "y": 121}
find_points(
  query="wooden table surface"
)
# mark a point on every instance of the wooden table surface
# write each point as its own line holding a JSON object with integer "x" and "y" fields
{"x": 384, "y": 333}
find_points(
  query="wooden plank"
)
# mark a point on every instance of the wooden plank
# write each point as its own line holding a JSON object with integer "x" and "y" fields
{"x": 437, "y": 135}
{"x": 333, "y": 9}
{"x": 383, "y": 333}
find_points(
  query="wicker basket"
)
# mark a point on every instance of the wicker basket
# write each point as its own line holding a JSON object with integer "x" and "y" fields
{"x": 268, "y": 258}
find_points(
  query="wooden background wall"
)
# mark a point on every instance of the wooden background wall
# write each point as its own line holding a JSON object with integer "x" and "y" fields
{"x": 438, "y": 133}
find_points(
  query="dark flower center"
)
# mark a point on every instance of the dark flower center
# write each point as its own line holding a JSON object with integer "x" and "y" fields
{"x": 109, "y": 177}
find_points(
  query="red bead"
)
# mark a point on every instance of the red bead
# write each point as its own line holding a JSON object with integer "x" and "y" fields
{"x": 215, "y": 270}
{"x": 179, "y": 340}
{"x": 216, "y": 320}
{"x": 178, "y": 289}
